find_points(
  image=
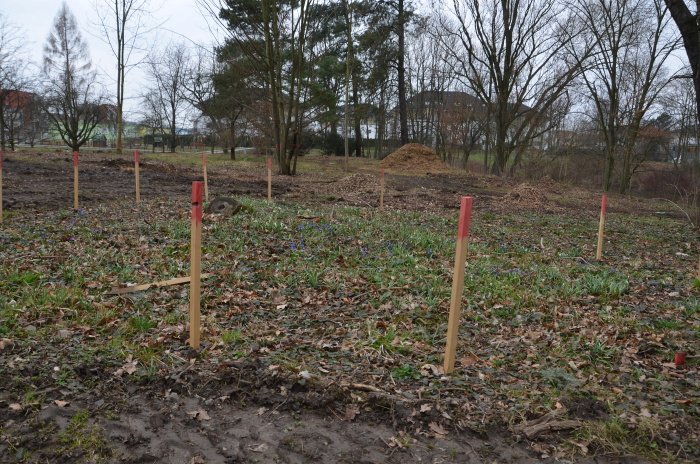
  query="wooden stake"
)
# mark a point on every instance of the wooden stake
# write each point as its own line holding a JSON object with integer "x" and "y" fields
{"x": 601, "y": 227}
{"x": 195, "y": 263}
{"x": 381, "y": 189}
{"x": 269, "y": 179}
{"x": 206, "y": 181}
{"x": 75, "y": 180}
{"x": 137, "y": 175}
{"x": 465, "y": 214}
{"x": 1, "y": 213}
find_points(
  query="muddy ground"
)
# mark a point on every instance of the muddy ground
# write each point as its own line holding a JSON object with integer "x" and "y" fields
{"x": 233, "y": 417}
{"x": 44, "y": 181}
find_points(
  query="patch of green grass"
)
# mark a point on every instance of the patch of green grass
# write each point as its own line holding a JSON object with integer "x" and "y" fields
{"x": 23, "y": 278}
{"x": 406, "y": 371}
{"x": 232, "y": 337}
{"x": 668, "y": 324}
{"x": 615, "y": 437}
{"x": 604, "y": 284}
{"x": 141, "y": 323}
{"x": 84, "y": 441}
{"x": 599, "y": 354}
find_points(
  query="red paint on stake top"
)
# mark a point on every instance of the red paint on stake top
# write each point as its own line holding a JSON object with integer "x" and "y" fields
{"x": 604, "y": 204}
{"x": 136, "y": 156}
{"x": 197, "y": 187}
{"x": 465, "y": 217}
{"x": 679, "y": 359}
{"x": 75, "y": 158}
{"x": 269, "y": 163}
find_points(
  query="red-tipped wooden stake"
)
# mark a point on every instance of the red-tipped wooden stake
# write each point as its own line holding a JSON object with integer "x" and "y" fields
{"x": 137, "y": 175}
{"x": 1, "y": 156}
{"x": 679, "y": 358}
{"x": 206, "y": 180}
{"x": 269, "y": 179}
{"x": 601, "y": 227}
{"x": 381, "y": 189}
{"x": 75, "y": 180}
{"x": 195, "y": 263}
{"x": 465, "y": 214}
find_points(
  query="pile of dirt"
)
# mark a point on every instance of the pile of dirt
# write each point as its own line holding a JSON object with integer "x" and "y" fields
{"x": 414, "y": 158}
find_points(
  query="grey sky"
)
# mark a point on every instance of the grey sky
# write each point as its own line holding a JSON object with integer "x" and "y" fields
{"x": 179, "y": 20}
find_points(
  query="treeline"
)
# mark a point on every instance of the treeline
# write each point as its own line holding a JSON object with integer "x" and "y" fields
{"x": 493, "y": 82}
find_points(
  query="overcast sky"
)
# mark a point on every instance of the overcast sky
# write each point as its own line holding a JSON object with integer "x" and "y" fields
{"x": 179, "y": 20}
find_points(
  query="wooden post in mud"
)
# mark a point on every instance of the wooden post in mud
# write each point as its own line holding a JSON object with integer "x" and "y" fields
{"x": 269, "y": 178}
{"x": 1, "y": 213}
{"x": 381, "y": 189}
{"x": 465, "y": 214}
{"x": 75, "y": 180}
{"x": 137, "y": 175}
{"x": 601, "y": 227}
{"x": 206, "y": 180}
{"x": 195, "y": 263}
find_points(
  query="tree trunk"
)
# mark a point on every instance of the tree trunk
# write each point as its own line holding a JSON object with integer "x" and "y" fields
{"x": 403, "y": 111}
{"x": 690, "y": 31}
{"x": 120, "y": 129}
{"x": 2, "y": 124}
{"x": 232, "y": 134}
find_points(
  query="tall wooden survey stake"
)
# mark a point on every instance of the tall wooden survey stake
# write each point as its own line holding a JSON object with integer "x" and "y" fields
{"x": 195, "y": 263}
{"x": 75, "y": 180}
{"x": 601, "y": 227}
{"x": 137, "y": 175}
{"x": 465, "y": 214}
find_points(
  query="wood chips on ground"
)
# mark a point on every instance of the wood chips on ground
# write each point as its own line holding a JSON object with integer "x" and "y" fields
{"x": 414, "y": 158}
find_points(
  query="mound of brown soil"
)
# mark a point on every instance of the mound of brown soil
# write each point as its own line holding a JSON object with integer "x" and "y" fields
{"x": 414, "y": 158}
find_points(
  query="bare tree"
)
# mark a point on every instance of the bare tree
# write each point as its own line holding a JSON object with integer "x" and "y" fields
{"x": 71, "y": 96}
{"x": 167, "y": 70}
{"x": 430, "y": 76}
{"x": 625, "y": 74}
{"x": 12, "y": 79}
{"x": 153, "y": 117}
{"x": 679, "y": 102}
{"x": 122, "y": 25}
{"x": 514, "y": 55}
